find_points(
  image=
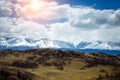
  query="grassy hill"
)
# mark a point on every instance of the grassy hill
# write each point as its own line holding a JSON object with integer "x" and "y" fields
{"x": 51, "y": 64}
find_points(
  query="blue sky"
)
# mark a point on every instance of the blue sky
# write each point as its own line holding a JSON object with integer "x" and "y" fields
{"x": 98, "y": 4}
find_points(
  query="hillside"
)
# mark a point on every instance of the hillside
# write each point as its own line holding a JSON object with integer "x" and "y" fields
{"x": 52, "y": 64}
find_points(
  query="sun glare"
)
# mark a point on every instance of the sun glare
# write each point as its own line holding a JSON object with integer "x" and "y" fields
{"x": 36, "y": 4}
{"x": 32, "y": 8}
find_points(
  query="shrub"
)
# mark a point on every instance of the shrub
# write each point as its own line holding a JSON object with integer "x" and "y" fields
{"x": 103, "y": 70}
{"x": 4, "y": 74}
{"x": 25, "y": 64}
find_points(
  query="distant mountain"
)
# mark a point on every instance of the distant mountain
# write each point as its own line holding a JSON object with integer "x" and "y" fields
{"x": 99, "y": 45}
{"x": 12, "y": 43}
{"x": 25, "y": 43}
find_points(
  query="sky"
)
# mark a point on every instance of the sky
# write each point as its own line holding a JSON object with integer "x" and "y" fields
{"x": 98, "y": 4}
{"x": 66, "y": 20}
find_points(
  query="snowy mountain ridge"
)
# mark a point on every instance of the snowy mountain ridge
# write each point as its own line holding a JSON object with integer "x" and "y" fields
{"x": 26, "y": 43}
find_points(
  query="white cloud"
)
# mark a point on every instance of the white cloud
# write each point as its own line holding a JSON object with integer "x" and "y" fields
{"x": 84, "y": 23}
{"x": 44, "y": 10}
{"x": 5, "y": 8}
{"x": 89, "y": 18}
{"x": 19, "y": 27}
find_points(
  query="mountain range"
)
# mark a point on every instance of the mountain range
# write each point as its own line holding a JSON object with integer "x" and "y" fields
{"x": 13, "y": 43}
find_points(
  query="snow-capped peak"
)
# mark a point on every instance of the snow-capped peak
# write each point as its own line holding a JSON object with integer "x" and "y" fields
{"x": 27, "y": 43}
{"x": 99, "y": 45}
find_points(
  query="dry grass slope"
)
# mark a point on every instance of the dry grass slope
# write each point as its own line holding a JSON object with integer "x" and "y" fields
{"x": 51, "y": 64}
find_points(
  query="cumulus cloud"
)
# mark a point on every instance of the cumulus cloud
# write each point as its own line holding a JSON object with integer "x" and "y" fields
{"x": 89, "y": 18}
{"x": 82, "y": 23}
{"x": 5, "y": 8}
{"x": 21, "y": 28}
{"x": 42, "y": 10}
